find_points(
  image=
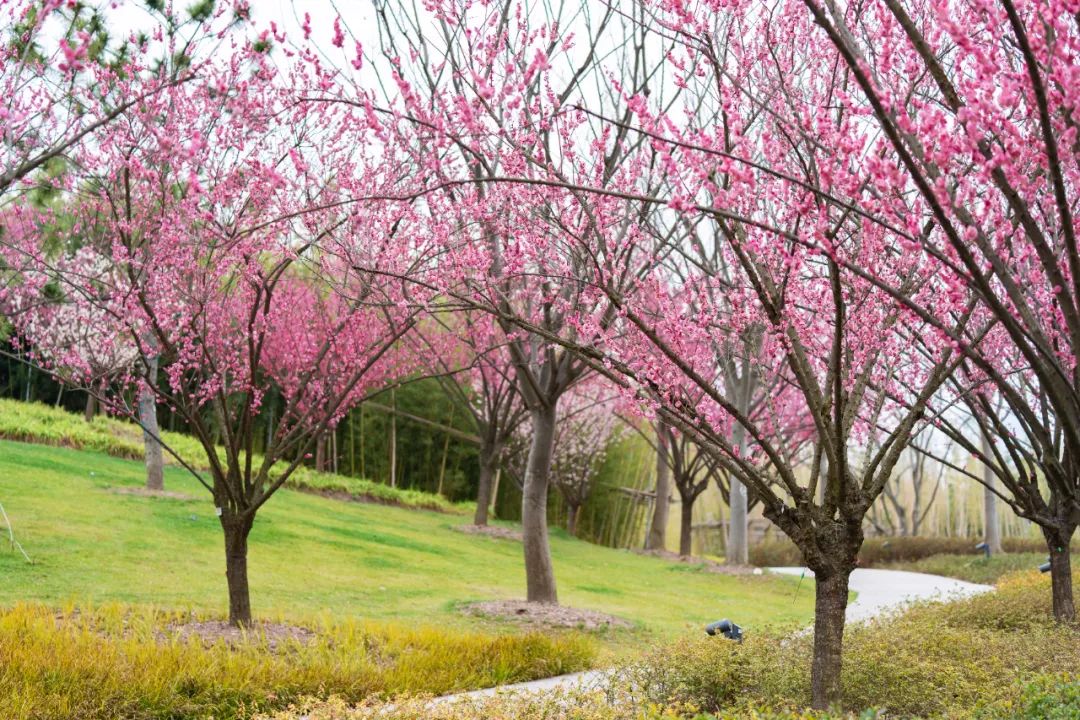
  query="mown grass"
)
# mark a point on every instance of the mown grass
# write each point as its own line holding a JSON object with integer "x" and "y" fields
{"x": 976, "y": 569}
{"x": 992, "y": 657}
{"x": 121, "y": 662}
{"x": 37, "y": 423}
{"x": 309, "y": 554}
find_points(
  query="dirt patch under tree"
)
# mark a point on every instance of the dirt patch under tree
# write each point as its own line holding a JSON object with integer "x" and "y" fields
{"x": 492, "y": 531}
{"x": 145, "y": 492}
{"x": 209, "y": 632}
{"x": 544, "y": 615}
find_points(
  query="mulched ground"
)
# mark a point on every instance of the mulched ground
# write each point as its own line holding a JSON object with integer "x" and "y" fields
{"x": 143, "y": 492}
{"x": 492, "y": 531}
{"x": 213, "y": 631}
{"x": 544, "y": 615}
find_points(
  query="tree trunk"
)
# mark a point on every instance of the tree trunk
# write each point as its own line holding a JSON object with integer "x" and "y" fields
{"x": 155, "y": 472}
{"x": 483, "y": 492}
{"x": 738, "y": 548}
{"x": 495, "y": 489}
{"x": 91, "y": 407}
{"x": 572, "y": 515}
{"x": 829, "y": 615}
{"x": 236, "y": 549}
{"x": 1057, "y": 542}
{"x": 990, "y": 513}
{"x": 393, "y": 439}
{"x": 686, "y": 528}
{"x": 320, "y": 453}
{"x": 657, "y": 537}
{"x": 539, "y": 574}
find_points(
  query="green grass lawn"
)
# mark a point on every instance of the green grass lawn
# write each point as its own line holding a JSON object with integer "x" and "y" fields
{"x": 311, "y": 556}
{"x": 45, "y": 425}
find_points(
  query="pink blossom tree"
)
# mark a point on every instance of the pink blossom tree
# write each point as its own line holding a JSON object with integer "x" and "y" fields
{"x": 975, "y": 104}
{"x": 485, "y": 115}
{"x": 766, "y": 255}
{"x": 479, "y": 374}
{"x": 233, "y": 218}
{"x": 63, "y": 79}
{"x": 587, "y": 425}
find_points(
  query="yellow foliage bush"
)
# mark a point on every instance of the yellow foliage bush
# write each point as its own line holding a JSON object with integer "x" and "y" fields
{"x": 120, "y": 662}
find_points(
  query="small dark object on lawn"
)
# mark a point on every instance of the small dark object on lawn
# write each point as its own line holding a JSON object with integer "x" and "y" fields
{"x": 726, "y": 628}
{"x": 984, "y": 547}
{"x": 1045, "y": 567}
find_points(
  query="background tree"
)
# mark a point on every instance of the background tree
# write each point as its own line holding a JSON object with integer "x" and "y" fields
{"x": 656, "y": 538}
{"x": 511, "y": 229}
{"x": 486, "y": 388}
{"x": 905, "y": 507}
{"x": 586, "y": 427}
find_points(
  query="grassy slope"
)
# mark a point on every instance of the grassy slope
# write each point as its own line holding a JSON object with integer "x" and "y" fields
{"x": 45, "y": 425}
{"x": 310, "y": 554}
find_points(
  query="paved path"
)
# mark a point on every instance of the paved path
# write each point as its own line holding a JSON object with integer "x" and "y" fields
{"x": 883, "y": 591}
{"x": 879, "y": 592}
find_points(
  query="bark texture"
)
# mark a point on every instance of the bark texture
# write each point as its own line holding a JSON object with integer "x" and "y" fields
{"x": 686, "y": 529}
{"x": 657, "y": 537}
{"x": 155, "y": 470}
{"x": 572, "y": 517}
{"x": 1057, "y": 542}
{"x": 830, "y": 610}
{"x": 738, "y": 549}
{"x": 237, "y": 529}
{"x": 539, "y": 573}
{"x": 488, "y": 461}
{"x": 990, "y": 508}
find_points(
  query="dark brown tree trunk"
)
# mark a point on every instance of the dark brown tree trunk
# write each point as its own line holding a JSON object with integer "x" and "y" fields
{"x": 1057, "y": 542}
{"x": 483, "y": 492}
{"x": 686, "y": 527}
{"x": 91, "y": 407}
{"x": 829, "y": 615}
{"x": 572, "y": 515}
{"x": 539, "y": 573}
{"x": 656, "y": 539}
{"x": 236, "y": 548}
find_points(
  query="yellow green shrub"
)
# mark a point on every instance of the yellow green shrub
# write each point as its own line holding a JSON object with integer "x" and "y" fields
{"x": 119, "y": 662}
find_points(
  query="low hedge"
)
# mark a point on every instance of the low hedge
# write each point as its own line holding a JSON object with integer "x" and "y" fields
{"x": 879, "y": 551}
{"x": 599, "y": 704}
{"x": 995, "y": 656}
{"x": 1043, "y": 697}
{"x": 932, "y": 661}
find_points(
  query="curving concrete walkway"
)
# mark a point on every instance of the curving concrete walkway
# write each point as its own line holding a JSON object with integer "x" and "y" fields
{"x": 880, "y": 592}
{"x": 883, "y": 591}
